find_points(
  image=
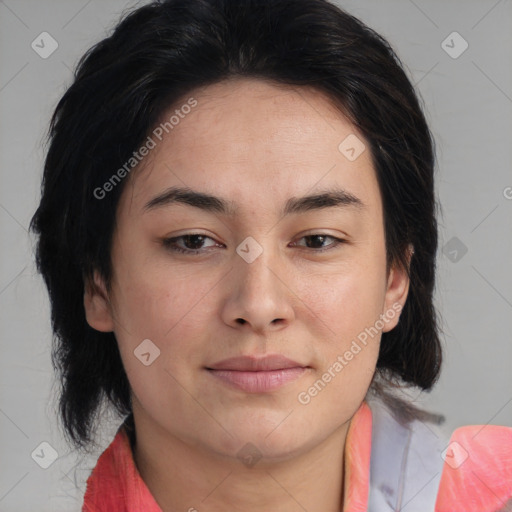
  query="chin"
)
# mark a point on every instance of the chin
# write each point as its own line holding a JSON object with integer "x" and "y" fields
{"x": 268, "y": 441}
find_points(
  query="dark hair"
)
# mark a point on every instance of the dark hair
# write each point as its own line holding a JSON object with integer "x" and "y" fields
{"x": 157, "y": 55}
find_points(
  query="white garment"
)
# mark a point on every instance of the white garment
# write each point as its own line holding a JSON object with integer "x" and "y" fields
{"x": 405, "y": 464}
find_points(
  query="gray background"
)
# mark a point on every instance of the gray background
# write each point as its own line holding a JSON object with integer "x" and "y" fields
{"x": 468, "y": 101}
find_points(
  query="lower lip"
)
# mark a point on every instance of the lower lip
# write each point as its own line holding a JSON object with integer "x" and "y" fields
{"x": 258, "y": 382}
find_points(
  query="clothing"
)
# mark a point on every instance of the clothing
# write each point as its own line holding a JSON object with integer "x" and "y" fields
{"x": 389, "y": 464}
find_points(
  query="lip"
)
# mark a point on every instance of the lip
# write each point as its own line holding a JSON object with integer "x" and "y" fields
{"x": 257, "y": 375}
{"x": 256, "y": 364}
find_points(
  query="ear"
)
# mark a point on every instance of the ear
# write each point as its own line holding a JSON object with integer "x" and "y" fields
{"x": 97, "y": 305}
{"x": 396, "y": 292}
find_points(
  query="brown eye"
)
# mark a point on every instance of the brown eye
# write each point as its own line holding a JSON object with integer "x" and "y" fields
{"x": 317, "y": 242}
{"x": 191, "y": 243}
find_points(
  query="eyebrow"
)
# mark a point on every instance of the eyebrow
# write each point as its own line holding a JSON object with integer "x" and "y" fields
{"x": 334, "y": 197}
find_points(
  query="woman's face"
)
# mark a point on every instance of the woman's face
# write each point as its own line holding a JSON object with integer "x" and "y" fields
{"x": 286, "y": 276}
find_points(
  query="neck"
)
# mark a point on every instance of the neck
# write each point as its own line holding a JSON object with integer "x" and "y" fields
{"x": 182, "y": 477}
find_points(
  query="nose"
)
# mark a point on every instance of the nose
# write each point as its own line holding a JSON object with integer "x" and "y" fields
{"x": 258, "y": 296}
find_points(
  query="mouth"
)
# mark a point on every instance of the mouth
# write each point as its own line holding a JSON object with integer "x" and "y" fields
{"x": 257, "y": 375}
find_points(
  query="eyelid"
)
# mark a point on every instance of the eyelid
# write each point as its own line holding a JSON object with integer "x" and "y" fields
{"x": 337, "y": 241}
{"x": 169, "y": 241}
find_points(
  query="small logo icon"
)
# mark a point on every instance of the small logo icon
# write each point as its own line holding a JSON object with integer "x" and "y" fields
{"x": 454, "y": 249}
{"x": 44, "y": 455}
{"x": 249, "y": 455}
{"x": 454, "y": 45}
{"x": 44, "y": 45}
{"x": 146, "y": 352}
{"x": 454, "y": 455}
{"x": 507, "y": 192}
{"x": 249, "y": 249}
{"x": 351, "y": 147}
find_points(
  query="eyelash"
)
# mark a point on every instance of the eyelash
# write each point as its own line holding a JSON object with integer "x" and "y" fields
{"x": 170, "y": 243}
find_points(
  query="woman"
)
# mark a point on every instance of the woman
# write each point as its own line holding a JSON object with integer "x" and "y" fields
{"x": 237, "y": 230}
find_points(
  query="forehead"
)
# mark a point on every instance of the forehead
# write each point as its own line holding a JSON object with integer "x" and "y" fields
{"x": 254, "y": 141}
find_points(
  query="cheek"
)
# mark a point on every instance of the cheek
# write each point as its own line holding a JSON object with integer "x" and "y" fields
{"x": 347, "y": 347}
{"x": 173, "y": 313}
{"x": 343, "y": 304}
{"x": 346, "y": 308}
{"x": 157, "y": 304}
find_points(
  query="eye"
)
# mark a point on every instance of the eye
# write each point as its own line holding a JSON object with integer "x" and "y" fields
{"x": 317, "y": 239}
{"x": 193, "y": 243}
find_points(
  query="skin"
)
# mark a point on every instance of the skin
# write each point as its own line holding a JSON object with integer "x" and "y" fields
{"x": 256, "y": 144}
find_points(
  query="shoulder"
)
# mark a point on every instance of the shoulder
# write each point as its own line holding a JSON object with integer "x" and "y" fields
{"x": 477, "y": 471}
{"x": 414, "y": 462}
{"x": 115, "y": 483}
